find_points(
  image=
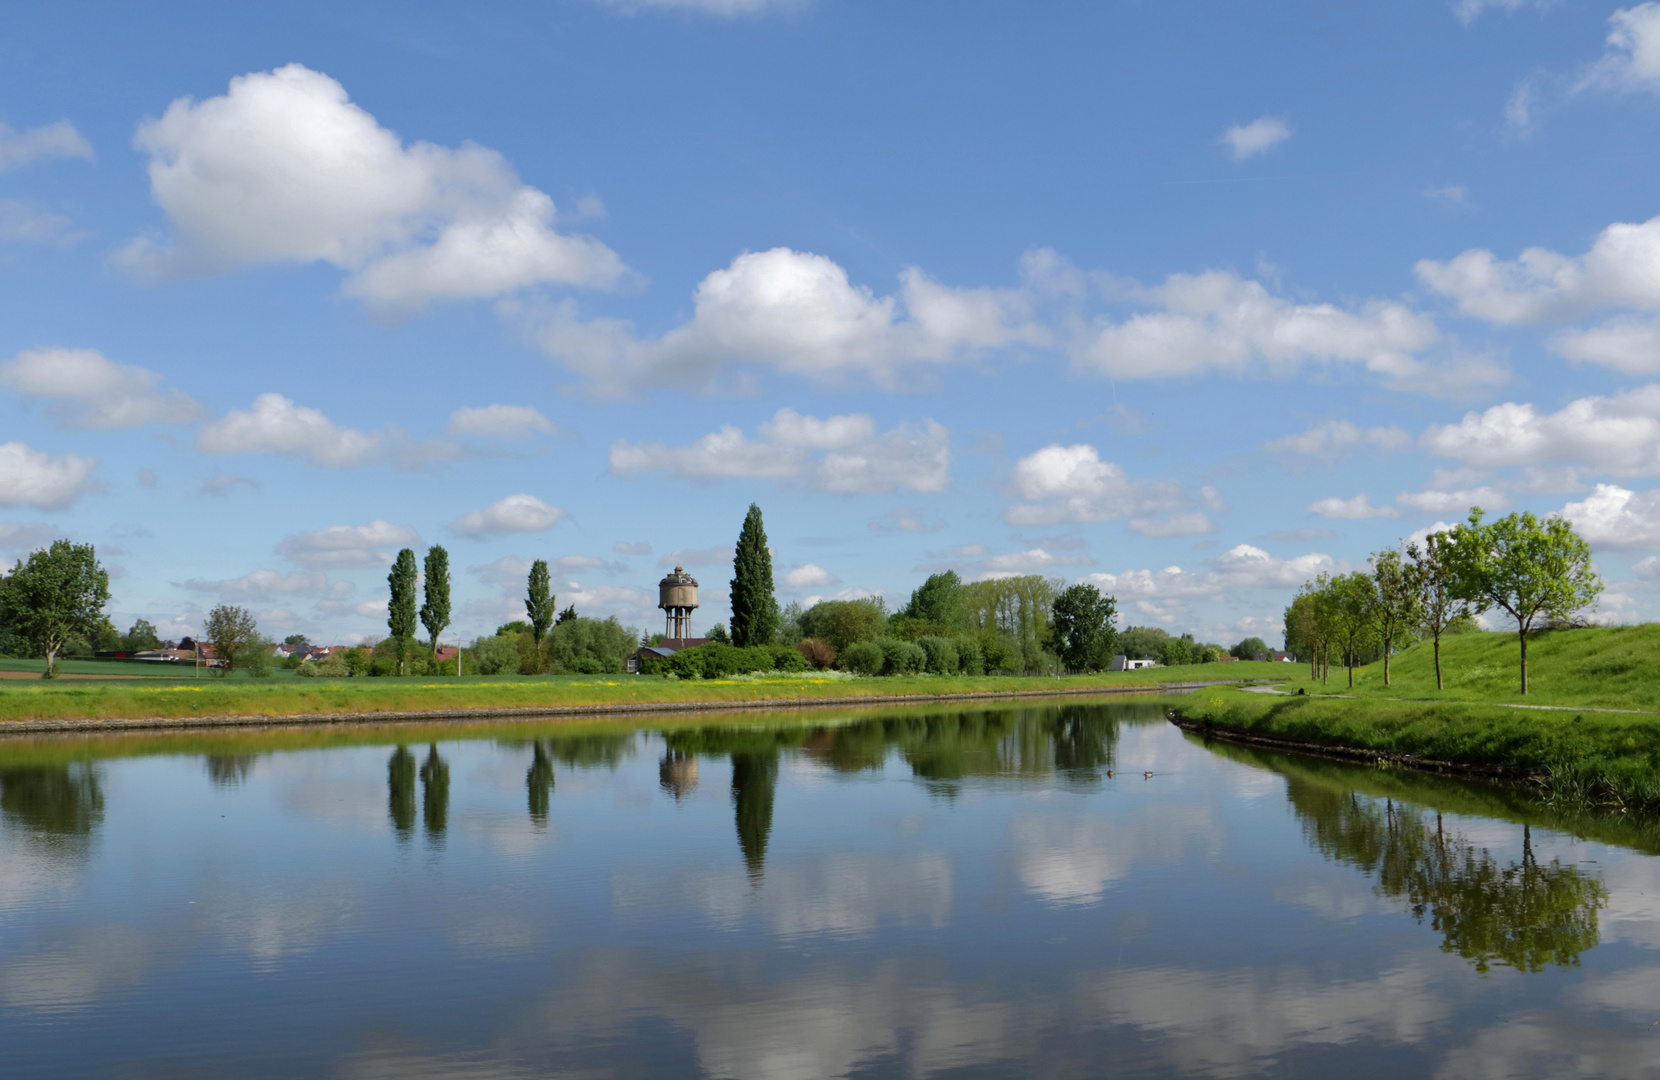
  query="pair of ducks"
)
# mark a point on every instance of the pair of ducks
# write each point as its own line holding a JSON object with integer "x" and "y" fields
{"x": 1148, "y": 775}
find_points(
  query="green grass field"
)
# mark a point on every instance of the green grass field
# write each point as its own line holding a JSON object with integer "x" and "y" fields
{"x": 1577, "y": 754}
{"x": 156, "y": 697}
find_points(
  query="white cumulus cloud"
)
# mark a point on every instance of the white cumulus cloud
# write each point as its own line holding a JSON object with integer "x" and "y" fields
{"x": 796, "y": 313}
{"x": 275, "y": 425}
{"x": 30, "y": 477}
{"x": 499, "y": 422}
{"x": 371, "y": 545}
{"x": 1454, "y": 502}
{"x": 1618, "y": 519}
{"x": 514, "y": 514}
{"x": 842, "y": 454}
{"x": 56, "y": 140}
{"x": 1468, "y": 11}
{"x": 284, "y": 168}
{"x": 1217, "y": 321}
{"x": 1072, "y": 483}
{"x": 808, "y": 576}
{"x": 1631, "y": 60}
{"x": 1618, "y": 434}
{"x": 88, "y": 390}
{"x": 265, "y": 584}
{"x": 1259, "y": 136}
{"x": 1541, "y": 285}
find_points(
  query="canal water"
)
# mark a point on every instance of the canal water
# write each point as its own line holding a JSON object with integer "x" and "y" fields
{"x": 985, "y": 892}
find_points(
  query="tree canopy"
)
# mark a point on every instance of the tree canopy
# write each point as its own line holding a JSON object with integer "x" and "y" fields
{"x": 57, "y": 593}
{"x": 400, "y": 607}
{"x": 1083, "y": 627}
{"x": 435, "y": 611}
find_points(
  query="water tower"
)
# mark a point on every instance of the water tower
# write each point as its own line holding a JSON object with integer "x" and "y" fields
{"x": 678, "y": 598}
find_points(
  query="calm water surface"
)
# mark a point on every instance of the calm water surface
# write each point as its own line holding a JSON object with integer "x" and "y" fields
{"x": 985, "y": 893}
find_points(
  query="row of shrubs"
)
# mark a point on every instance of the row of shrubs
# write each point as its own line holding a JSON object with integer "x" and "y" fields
{"x": 883, "y": 656}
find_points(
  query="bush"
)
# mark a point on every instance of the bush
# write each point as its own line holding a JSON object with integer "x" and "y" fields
{"x": 496, "y": 655}
{"x": 334, "y": 667}
{"x": 995, "y": 653}
{"x": 591, "y": 646}
{"x": 864, "y": 658}
{"x": 971, "y": 659}
{"x": 255, "y": 657}
{"x": 844, "y": 622}
{"x": 785, "y": 658}
{"x": 940, "y": 653}
{"x": 382, "y": 666}
{"x": 817, "y": 652}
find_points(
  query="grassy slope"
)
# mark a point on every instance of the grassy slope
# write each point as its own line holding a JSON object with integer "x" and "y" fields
{"x": 210, "y": 696}
{"x": 1602, "y": 757}
{"x": 1606, "y": 667}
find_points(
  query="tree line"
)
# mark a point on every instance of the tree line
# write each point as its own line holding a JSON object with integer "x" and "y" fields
{"x": 1537, "y": 573}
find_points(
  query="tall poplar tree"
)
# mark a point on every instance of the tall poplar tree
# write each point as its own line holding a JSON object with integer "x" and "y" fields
{"x": 435, "y": 612}
{"x": 539, "y": 600}
{"x": 754, "y": 608}
{"x": 400, "y": 608}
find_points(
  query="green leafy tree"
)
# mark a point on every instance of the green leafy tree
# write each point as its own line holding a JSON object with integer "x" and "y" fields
{"x": 1304, "y": 631}
{"x": 1354, "y": 599}
{"x": 844, "y": 622}
{"x": 1083, "y": 626}
{"x": 568, "y": 615}
{"x": 754, "y": 608}
{"x": 1531, "y": 570}
{"x": 400, "y": 608}
{"x": 539, "y": 600}
{"x": 939, "y": 602}
{"x": 1249, "y": 649}
{"x": 142, "y": 636}
{"x": 1440, "y": 610}
{"x": 229, "y": 629}
{"x": 59, "y": 593}
{"x": 296, "y": 639}
{"x": 1399, "y": 602}
{"x": 435, "y": 611}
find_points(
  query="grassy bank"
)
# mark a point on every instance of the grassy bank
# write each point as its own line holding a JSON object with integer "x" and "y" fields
{"x": 1604, "y": 667}
{"x": 1578, "y": 758}
{"x": 241, "y": 697}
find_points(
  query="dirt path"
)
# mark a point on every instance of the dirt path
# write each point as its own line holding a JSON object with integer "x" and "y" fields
{"x": 1443, "y": 701}
{"x": 36, "y": 675}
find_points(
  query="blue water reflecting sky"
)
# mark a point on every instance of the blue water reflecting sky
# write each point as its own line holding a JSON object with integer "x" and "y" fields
{"x": 956, "y": 894}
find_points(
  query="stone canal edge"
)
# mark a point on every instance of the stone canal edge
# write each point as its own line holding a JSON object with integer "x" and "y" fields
{"x": 566, "y": 712}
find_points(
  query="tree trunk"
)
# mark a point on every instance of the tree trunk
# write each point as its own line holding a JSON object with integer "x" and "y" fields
{"x": 51, "y": 661}
{"x": 1438, "y": 685}
{"x": 1350, "y": 658}
{"x": 1523, "y": 636}
{"x": 1386, "y": 660}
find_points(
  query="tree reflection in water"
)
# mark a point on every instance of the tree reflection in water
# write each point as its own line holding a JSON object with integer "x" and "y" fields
{"x": 56, "y": 807}
{"x": 540, "y": 782}
{"x": 229, "y": 770}
{"x": 754, "y": 782}
{"x": 1523, "y": 915}
{"x": 400, "y": 786}
{"x": 435, "y": 794}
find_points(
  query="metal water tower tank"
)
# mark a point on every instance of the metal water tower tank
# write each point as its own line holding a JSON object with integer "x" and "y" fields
{"x": 677, "y": 596}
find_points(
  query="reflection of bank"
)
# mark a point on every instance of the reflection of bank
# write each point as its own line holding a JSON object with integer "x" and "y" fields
{"x": 1523, "y": 915}
{"x": 56, "y": 807}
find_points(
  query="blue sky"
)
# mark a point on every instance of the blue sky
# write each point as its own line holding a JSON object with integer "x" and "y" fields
{"x": 1193, "y": 301}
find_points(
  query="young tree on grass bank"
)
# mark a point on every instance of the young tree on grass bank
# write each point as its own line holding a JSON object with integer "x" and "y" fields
{"x": 229, "y": 630}
{"x": 400, "y": 607}
{"x": 1527, "y": 568}
{"x": 435, "y": 612}
{"x": 539, "y": 600}
{"x": 754, "y": 608}
{"x": 1083, "y": 626}
{"x": 57, "y": 593}
{"x": 1439, "y": 608}
{"x": 1396, "y": 610}
{"x": 1308, "y": 624}
{"x": 1353, "y": 599}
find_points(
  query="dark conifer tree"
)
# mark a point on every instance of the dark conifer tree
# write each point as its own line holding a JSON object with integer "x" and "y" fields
{"x": 754, "y": 608}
